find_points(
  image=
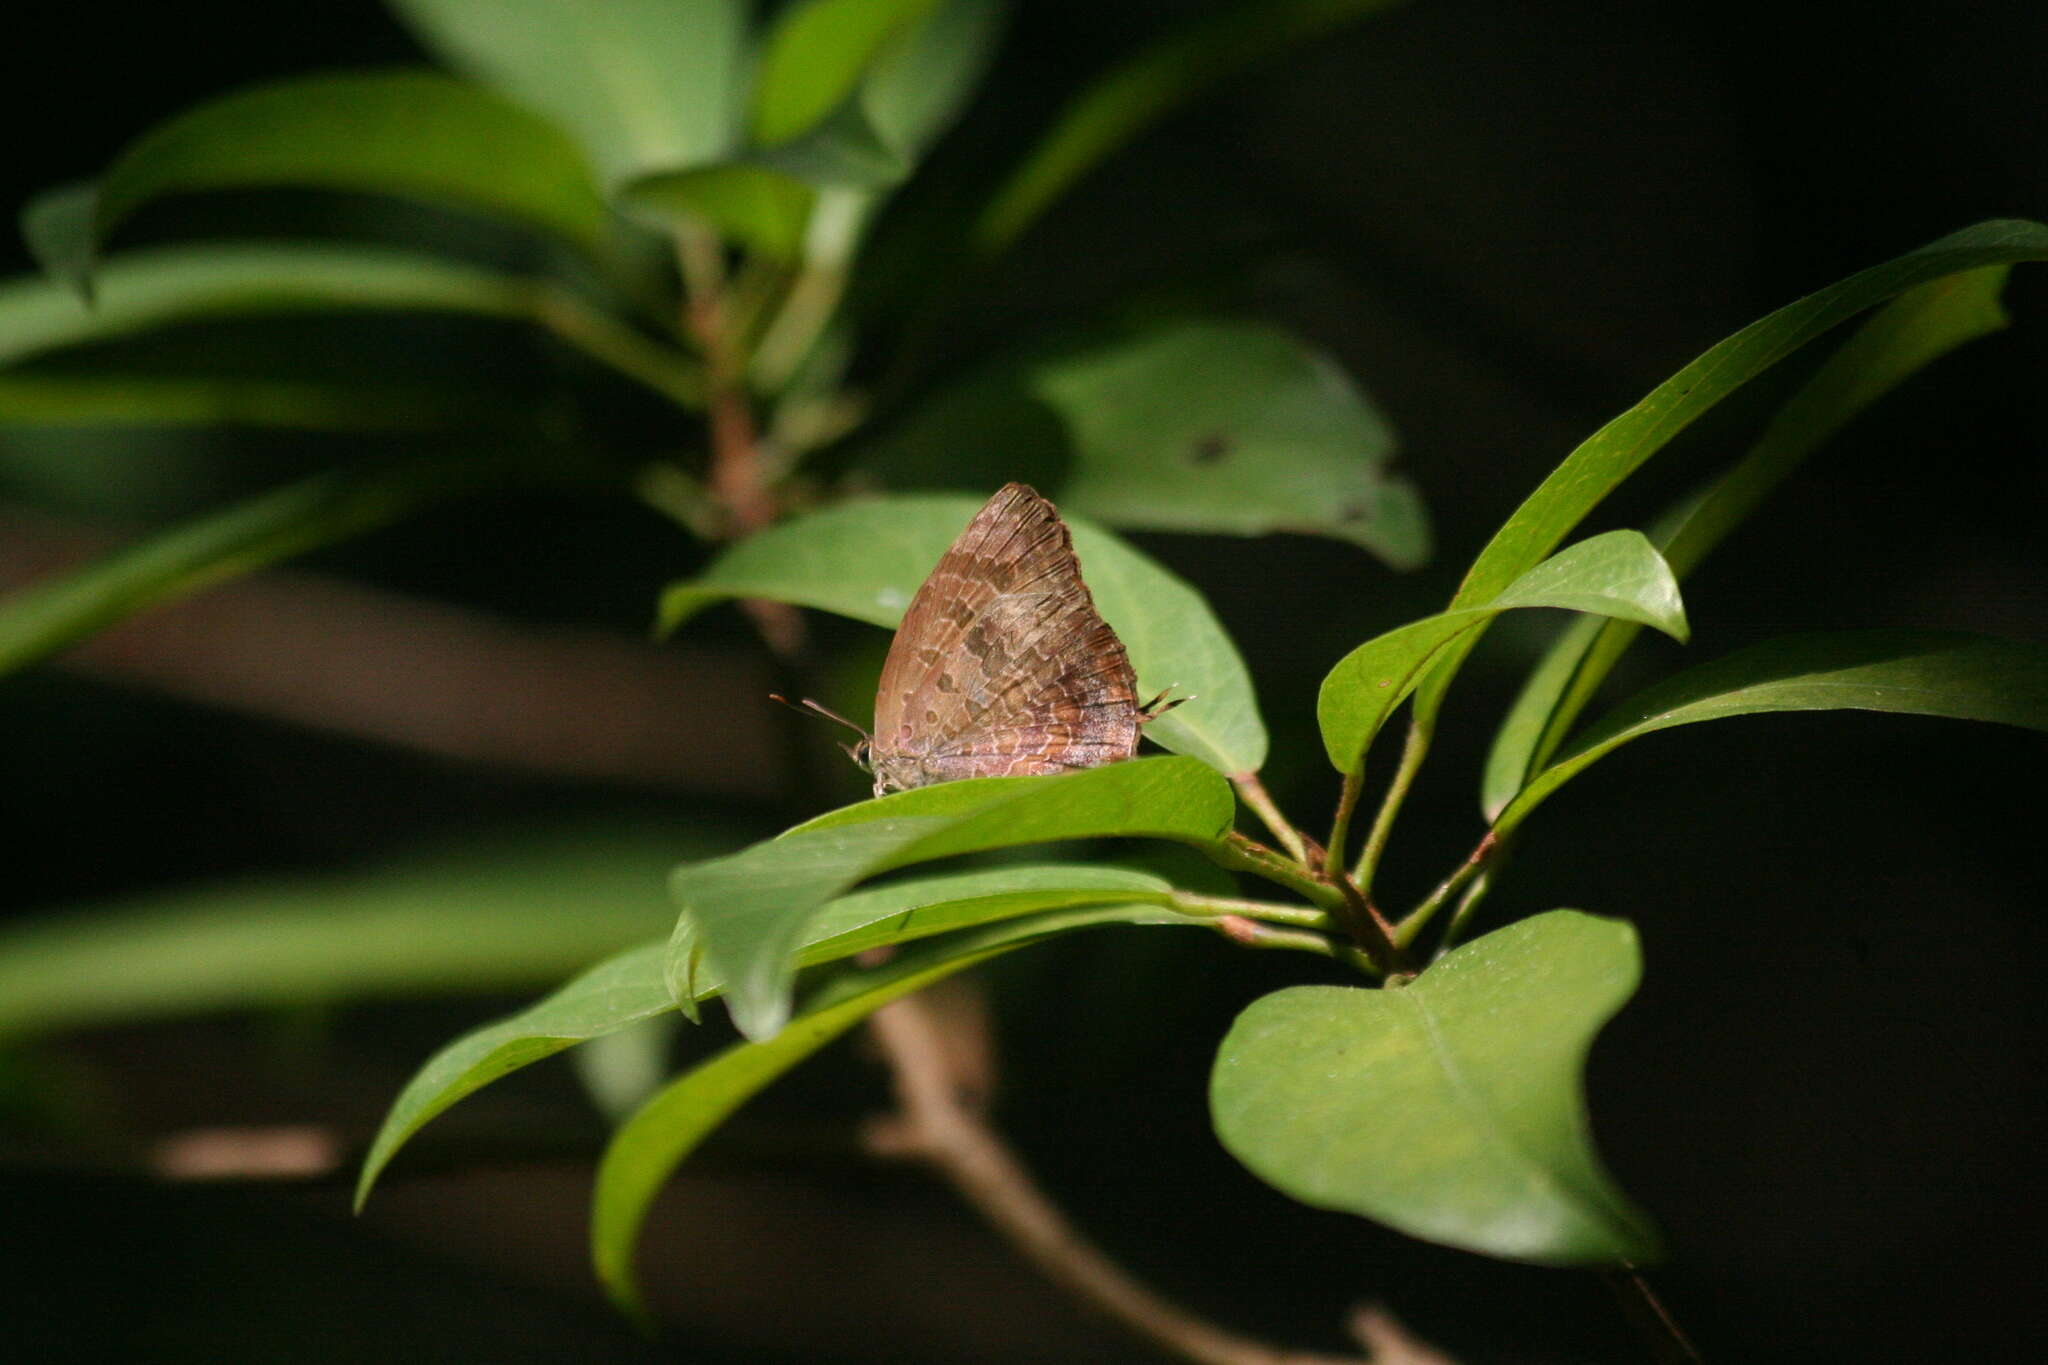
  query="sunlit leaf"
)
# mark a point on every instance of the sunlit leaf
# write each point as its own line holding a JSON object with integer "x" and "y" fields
{"x": 1913, "y": 672}
{"x": 1910, "y": 332}
{"x": 815, "y": 54}
{"x": 1206, "y": 426}
{"x": 866, "y": 560}
{"x": 646, "y": 86}
{"x": 1618, "y": 574}
{"x": 745, "y": 914}
{"x": 761, "y": 207}
{"x": 1619, "y": 448}
{"x": 655, "y": 1141}
{"x": 1451, "y": 1108}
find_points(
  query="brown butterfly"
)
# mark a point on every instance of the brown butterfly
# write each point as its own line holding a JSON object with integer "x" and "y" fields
{"x": 1002, "y": 666}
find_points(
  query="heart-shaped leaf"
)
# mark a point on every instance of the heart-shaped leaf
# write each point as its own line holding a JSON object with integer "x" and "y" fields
{"x": 1450, "y": 1108}
{"x": 866, "y": 560}
{"x": 745, "y": 914}
{"x": 1619, "y": 574}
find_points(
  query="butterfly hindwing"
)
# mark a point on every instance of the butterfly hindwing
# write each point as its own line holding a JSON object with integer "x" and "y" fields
{"x": 1002, "y": 665}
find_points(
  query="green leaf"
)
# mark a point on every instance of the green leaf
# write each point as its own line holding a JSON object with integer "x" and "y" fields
{"x": 483, "y": 914}
{"x": 814, "y": 56}
{"x": 159, "y": 286}
{"x": 239, "y": 401}
{"x": 866, "y": 560}
{"x": 762, "y": 208}
{"x": 648, "y": 1148}
{"x": 1204, "y": 426}
{"x": 44, "y": 617}
{"x": 613, "y": 995}
{"x": 1618, "y": 449}
{"x": 918, "y": 84}
{"x": 633, "y": 986}
{"x": 1912, "y": 672}
{"x": 746, "y": 914}
{"x": 1449, "y": 1109}
{"x": 646, "y": 86}
{"x": 1619, "y": 574}
{"x": 766, "y": 196}
{"x": 415, "y": 134}
{"x": 1142, "y": 90}
{"x": 1910, "y": 332}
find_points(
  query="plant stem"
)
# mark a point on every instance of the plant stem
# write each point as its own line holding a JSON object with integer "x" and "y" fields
{"x": 1467, "y": 904}
{"x": 1340, "y": 827}
{"x": 1417, "y": 919}
{"x": 1254, "y": 794}
{"x": 935, "y": 1124}
{"x": 1413, "y": 751}
{"x": 1652, "y": 1320}
{"x": 735, "y": 477}
{"x": 1268, "y": 912}
{"x": 664, "y": 369}
{"x": 1235, "y": 853}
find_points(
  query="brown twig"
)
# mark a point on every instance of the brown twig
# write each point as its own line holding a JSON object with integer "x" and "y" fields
{"x": 736, "y": 479}
{"x": 311, "y": 650}
{"x": 934, "y": 1124}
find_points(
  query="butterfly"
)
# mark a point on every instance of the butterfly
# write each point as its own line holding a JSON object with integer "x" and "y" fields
{"x": 1002, "y": 666}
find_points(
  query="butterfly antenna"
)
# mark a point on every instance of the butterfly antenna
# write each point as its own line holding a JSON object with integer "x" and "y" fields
{"x": 821, "y": 709}
{"x": 1159, "y": 706}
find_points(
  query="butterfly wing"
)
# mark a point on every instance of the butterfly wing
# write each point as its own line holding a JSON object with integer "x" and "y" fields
{"x": 1002, "y": 664}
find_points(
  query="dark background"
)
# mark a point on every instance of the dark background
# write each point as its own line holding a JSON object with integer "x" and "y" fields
{"x": 1509, "y": 221}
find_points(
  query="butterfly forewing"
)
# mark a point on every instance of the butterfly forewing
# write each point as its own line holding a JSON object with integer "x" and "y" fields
{"x": 1002, "y": 665}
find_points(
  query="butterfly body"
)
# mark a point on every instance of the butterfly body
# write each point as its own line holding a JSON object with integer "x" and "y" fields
{"x": 1002, "y": 666}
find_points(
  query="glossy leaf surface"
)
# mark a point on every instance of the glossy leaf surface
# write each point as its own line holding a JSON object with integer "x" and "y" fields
{"x": 634, "y": 985}
{"x": 1451, "y": 1108}
{"x": 744, "y": 915}
{"x": 1618, "y": 574}
{"x": 1619, "y": 448}
{"x": 867, "y": 559}
{"x": 1912, "y": 672}
{"x": 1905, "y": 335}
